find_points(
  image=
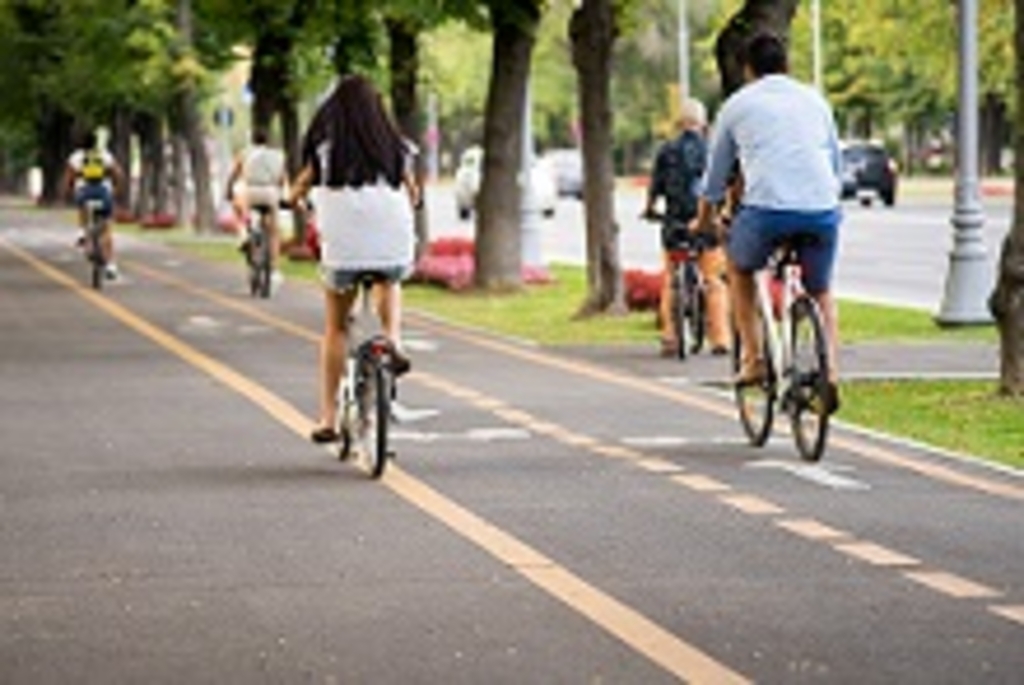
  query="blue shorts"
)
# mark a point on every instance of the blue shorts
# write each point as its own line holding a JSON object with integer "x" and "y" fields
{"x": 755, "y": 232}
{"x": 96, "y": 191}
{"x": 341, "y": 280}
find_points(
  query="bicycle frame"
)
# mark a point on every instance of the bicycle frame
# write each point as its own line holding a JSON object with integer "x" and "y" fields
{"x": 775, "y": 306}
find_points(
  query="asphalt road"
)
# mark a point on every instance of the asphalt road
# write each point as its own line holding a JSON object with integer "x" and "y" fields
{"x": 898, "y": 255}
{"x": 553, "y": 517}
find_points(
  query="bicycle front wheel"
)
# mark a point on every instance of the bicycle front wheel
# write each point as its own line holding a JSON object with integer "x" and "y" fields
{"x": 806, "y": 403}
{"x": 374, "y": 415}
{"x": 755, "y": 402}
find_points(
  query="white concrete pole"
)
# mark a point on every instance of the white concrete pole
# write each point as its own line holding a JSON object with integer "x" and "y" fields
{"x": 529, "y": 221}
{"x": 969, "y": 279}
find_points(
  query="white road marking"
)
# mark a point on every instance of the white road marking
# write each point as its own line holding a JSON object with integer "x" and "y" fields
{"x": 419, "y": 345}
{"x": 472, "y": 435}
{"x": 827, "y": 476}
{"x": 403, "y": 414}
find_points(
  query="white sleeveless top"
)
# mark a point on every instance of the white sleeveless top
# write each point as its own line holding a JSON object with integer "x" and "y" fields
{"x": 370, "y": 227}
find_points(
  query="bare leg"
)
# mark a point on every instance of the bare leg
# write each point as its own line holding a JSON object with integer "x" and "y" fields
{"x": 741, "y": 289}
{"x": 712, "y": 267}
{"x": 332, "y": 352}
{"x": 830, "y": 317}
{"x": 668, "y": 334}
{"x": 389, "y": 305}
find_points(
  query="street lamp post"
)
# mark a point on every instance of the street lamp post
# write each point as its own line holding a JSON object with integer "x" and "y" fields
{"x": 969, "y": 278}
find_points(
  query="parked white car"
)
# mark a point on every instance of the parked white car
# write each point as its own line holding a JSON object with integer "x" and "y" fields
{"x": 470, "y": 171}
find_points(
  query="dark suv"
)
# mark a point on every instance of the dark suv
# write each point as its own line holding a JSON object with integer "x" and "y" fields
{"x": 869, "y": 172}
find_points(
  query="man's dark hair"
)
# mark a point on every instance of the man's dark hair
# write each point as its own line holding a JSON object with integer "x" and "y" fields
{"x": 88, "y": 140}
{"x": 765, "y": 53}
{"x": 259, "y": 136}
{"x": 364, "y": 143}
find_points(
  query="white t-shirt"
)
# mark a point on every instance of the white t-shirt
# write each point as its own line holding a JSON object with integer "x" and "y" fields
{"x": 262, "y": 167}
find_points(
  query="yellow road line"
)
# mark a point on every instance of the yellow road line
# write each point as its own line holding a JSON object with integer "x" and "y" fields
{"x": 876, "y": 555}
{"x": 631, "y": 627}
{"x": 755, "y": 506}
{"x": 811, "y": 529}
{"x": 1014, "y": 613}
{"x": 952, "y": 585}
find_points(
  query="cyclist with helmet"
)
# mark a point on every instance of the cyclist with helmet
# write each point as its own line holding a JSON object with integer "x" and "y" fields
{"x": 92, "y": 173}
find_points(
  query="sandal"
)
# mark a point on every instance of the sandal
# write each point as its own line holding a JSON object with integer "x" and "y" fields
{"x": 324, "y": 434}
{"x": 669, "y": 348}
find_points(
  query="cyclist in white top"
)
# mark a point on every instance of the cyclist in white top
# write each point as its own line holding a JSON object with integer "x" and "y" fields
{"x": 261, "y": 169}
{"x": 92, "y": 173}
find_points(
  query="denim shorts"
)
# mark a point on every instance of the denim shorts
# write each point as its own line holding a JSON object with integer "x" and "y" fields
{"x": 756, "y": 231}
{"x": 341, "y": 280}
{"x": 95, "y": 191}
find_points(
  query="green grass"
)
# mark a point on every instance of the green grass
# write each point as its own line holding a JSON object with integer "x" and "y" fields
{"x": 860, "y": 322}
{"x": 542, "y": 313}
{"x": 963, "y": 416}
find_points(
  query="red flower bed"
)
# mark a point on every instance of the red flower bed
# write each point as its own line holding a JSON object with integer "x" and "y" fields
{"x": 643, "y": 289}
{"x": 158, "y": 221}
{"x": 450, "y": 262}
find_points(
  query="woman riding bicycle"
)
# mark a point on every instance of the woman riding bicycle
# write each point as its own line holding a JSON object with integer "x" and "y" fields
{"x": 356, "y": 163}
{"x": 783, "y": 135}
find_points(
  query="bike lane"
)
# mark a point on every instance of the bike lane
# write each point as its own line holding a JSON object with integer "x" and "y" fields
{"x": 686, "y": 532}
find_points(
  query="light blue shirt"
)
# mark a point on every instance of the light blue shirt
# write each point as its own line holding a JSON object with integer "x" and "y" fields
{"x": 783, "y": 134}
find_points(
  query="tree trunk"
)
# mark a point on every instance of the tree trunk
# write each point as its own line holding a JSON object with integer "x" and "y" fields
{"x": 1007, "y": 301}
{"x": 55, "y": 127}
{"x": 121, "y": 148}
{"x": 498, "y": 240}
{"x": 993, "y": 133}
{"x": 193, "y": 131}
{"x": 593, "y": 31}
{"x": 404, "y": 64}
{"x": 755, "y": 15}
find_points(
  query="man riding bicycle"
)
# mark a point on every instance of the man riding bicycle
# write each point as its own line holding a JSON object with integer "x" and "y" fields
{"x": 92, "y": 174}
{"x": 262, "y": 170}
{"x": 783, "y": 135}
{"x": 678, "y": 168}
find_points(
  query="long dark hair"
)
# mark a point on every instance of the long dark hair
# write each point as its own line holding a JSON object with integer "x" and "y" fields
{"x": 363, "y": 142}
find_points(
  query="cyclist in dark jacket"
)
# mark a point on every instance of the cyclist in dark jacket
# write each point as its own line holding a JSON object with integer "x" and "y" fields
{"x": 678, "y": 169}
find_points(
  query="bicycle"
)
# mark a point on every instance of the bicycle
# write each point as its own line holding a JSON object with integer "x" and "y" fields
{"x": 795, "y": 352}
{"x": 688, "y": 290}
{"x": 95, "y": 223}
{"x": 257, "y": 250}
{"x": 368, "y": 387}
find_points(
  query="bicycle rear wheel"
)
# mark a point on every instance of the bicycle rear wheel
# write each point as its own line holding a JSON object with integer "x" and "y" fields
{"x": 805, "y": 403}
{"x": 696, "y": 310}
{"x": 374, "y": 414}
{"x": 680, "y": 311}
{"x": 755, "y": 402}
{"x": 96, "y": 263}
